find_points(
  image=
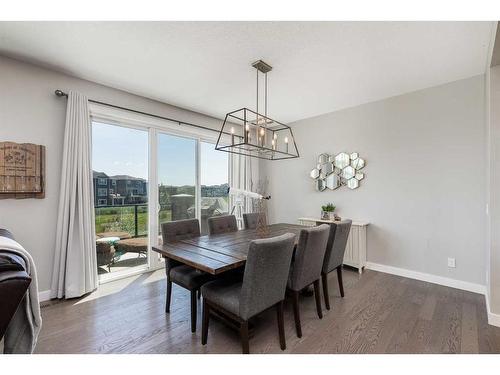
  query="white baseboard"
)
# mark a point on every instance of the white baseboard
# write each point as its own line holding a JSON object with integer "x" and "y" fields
{"x": 446, "y": 281}
{"x": 493, "y": 319}
{"x": 44, "y": 295}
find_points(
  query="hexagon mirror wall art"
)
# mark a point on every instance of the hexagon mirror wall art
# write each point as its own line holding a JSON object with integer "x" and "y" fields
{"x": 326, "y": 170}
{"x": 334, "y": 171}
{"x": 348, "y": 172}
{"x": 332, "y": 182}
{"x": 342, "y": 160}
{"x": 320, "y": 184}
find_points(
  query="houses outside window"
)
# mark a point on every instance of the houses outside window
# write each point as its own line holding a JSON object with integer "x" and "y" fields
{"x": 102, "y": 192}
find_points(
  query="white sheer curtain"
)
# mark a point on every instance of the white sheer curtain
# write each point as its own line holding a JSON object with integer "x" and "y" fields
{"x": 75, "y": 264}
{"x": 244, "y": 175}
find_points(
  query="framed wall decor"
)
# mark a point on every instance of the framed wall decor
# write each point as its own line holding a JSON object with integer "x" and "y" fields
{"x": 22, "y": 170}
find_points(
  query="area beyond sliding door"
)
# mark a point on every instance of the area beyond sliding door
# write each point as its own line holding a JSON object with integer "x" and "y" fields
{"x": 120, "y": 177}
{"x": 176, "y": 178}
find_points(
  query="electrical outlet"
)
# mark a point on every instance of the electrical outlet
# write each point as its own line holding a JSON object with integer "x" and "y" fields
{"x": 451, "y": 262}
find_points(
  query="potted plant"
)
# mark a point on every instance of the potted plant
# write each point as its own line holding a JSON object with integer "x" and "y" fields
{"x": 327, "y": 212}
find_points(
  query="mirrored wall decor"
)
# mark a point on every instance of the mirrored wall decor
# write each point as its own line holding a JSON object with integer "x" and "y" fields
{"x": 320, "y": 184}
{"x": 342, "y": 160}
{"x": 334, "y": 171}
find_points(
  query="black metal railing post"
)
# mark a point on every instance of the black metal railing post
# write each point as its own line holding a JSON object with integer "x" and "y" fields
{"x": 136, "y": 221}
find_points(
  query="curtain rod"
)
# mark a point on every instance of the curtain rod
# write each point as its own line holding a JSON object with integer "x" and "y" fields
{"x": 61, "y": 94}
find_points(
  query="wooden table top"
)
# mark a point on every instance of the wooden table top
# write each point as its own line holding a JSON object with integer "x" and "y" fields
{"x": 221, "y": 252}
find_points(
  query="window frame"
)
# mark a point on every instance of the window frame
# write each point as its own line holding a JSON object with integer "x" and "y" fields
{"x": 155, "y": 127}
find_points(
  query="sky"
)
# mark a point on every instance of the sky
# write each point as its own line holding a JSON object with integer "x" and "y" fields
{"x": 120, "y": 150}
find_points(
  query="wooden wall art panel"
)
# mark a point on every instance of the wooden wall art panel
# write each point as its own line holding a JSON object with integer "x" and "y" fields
{"x": 22, "y": 170}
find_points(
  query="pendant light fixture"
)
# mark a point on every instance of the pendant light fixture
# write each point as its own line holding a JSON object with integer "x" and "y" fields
{"x": 254, "y": 134}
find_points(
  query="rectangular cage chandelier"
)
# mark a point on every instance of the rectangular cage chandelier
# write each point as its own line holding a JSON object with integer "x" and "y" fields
{"x": 253, "y": 134}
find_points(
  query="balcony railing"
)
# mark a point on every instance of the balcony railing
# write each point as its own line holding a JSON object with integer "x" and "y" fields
{"x": 133, "y": 218}
{"x": 130, "y": 218}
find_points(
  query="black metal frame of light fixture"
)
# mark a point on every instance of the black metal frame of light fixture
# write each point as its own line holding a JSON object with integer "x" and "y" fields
{"x": 250, "y": 148}
{"x": 256, "y": 150}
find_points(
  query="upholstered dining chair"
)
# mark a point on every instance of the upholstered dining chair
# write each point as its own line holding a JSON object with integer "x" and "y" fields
{"x": 222, "y": 224}
{"x": 306, "y": 268}
{"x": 263, "y": 286}
{"x": 181, "y": 274}
{"x": 250, "y": 220}
{"x": 334, "y": 256}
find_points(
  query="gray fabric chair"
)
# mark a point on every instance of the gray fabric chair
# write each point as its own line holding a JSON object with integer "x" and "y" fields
{"x": 263, "y": 286}
{"x": 250, "y": 220}
{"x": 222, "y": 224}
{"x": 306, "y": 268}
{"x": 334, "y": 256}
{"x": 181, "y": 274}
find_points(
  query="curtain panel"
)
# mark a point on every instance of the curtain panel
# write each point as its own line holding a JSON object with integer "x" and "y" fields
{"x": 75, "y": 263}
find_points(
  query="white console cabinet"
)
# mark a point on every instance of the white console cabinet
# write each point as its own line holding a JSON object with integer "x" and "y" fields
{"x": 355, "y": 252}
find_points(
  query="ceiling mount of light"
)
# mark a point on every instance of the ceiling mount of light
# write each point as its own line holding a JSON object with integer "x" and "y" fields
{"x": 254, "y": 134}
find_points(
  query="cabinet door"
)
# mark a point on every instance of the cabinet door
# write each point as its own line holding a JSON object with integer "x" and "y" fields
{"x": 351, "y": 256}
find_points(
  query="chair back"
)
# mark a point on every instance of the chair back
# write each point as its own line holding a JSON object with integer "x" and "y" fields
{"x": 309, "y": 257}
{"x": 250, "y": 220}
{"x": 222, "y": 224}
{"x": 337, "y": 242}
{"x": 180, "y": 230}
{"x": 266, "y": 274}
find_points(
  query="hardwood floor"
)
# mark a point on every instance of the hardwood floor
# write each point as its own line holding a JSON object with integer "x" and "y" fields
{"x": 380, "y": 313}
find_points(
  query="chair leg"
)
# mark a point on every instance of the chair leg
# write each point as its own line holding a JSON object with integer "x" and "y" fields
{"x": 281, "y": 324}
{"x": 326, "y": 295}
{"x": 205, "y": 321}
{"x": 339, "y": 276}
{"x": 296, "y": 313}
{"x": 169, "y": 295}
{"x": 193, "y": 310}
{"x": 317, "y": 297}
{"x": 245, "y": 347}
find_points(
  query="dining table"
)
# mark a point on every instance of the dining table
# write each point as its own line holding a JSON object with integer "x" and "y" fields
{"x": 219, "y": 253}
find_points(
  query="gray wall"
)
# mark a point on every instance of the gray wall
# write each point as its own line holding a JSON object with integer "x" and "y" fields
{"x": 30, "y": 112}
{"x": 494, "y": 186}
{"x": 424, "y": 191}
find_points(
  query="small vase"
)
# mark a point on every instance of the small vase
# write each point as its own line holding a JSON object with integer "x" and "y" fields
{"x": 325, "y": 215}
{"x": 331, "y": 216}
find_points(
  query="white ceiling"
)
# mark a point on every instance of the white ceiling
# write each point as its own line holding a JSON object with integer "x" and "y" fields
{"x": 319, "y": 67}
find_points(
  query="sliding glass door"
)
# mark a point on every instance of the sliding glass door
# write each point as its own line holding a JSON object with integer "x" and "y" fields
{"x": 120, "y": 180}
{"x": 145, "y": 175}
{"x": 176, "y": 178}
